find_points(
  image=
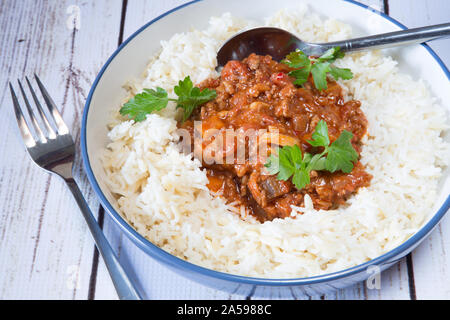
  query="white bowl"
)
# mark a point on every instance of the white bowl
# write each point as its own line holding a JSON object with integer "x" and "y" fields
{"x": 131, "y": 59}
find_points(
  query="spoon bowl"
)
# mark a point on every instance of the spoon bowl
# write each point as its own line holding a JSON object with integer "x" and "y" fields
{"x": 272, "y": 41}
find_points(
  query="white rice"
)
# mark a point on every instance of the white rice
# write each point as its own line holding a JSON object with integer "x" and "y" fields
{"x": 163, "y": 193}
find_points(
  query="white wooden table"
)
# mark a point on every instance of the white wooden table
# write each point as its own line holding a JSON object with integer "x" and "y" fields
{"x": 46, "y": 251}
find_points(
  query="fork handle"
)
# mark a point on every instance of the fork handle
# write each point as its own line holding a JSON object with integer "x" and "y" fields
{"x": 122, "y": 283}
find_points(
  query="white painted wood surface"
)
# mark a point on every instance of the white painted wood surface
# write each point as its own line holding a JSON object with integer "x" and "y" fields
{"x": 44, "y": 243}
{"x": 46, "y": 251}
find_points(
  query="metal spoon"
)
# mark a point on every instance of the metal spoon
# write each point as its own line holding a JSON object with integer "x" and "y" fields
{"x": 278, "y": 43}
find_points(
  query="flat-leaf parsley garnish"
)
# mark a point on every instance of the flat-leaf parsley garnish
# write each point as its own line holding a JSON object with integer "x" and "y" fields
{"x": 290, "y": 162}
{"x": 189, "y": 97}
{"x": 150, "y": 100}
{"x": 146, "y": 102}
{"x": 318, "y": 67}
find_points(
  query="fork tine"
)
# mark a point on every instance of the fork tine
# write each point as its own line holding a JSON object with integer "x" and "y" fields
{"x": 48, "y": 127}
{"x": 62, "y": 128}
{"x": 31, "y": 114}
{"x": 24, "y": 129}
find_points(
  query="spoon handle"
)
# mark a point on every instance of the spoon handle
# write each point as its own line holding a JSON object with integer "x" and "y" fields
{"x": 385, "y": 40}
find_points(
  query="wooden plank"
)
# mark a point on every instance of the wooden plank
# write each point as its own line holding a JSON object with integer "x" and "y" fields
{"x": 139, "y": 12}
{"x": 415, "y": 14}
{"x": 429, "y": 262}
{"x": 375, "y": 4}
{"x": 393, "y": 285}
{"x": 45, "y": 247}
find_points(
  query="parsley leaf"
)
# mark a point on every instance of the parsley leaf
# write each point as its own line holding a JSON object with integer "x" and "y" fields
{"x": 144, "y": 103}
{"x": 320, "y": 135}
{"x": 297, "y": 59}
{"x": 340, "y": 155}
{"x": 149, "y": 100}
{"x": 317, "y": 163}
{"x": 287, "y": 164}
{"x": 190, "y": 97}
{"x": 301, "y": 179}
{"x": 273, "y": 165}
{"x": 300, "y": 61}
{"x": 319, "y": 72}
{"x": 301, "y": 75}
{"x": 331, "y": 55}
{"x": 318, "y": 67}
{"x": 339, "y": 73}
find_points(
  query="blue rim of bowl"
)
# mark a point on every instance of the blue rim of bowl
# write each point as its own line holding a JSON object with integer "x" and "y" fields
{"x": 178, "y": 263}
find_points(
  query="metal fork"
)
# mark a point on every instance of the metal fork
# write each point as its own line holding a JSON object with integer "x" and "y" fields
{"x": 53, "y": 149}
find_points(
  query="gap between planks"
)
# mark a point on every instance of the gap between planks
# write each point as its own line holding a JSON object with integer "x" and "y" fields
{"x": 101, "y": 210}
